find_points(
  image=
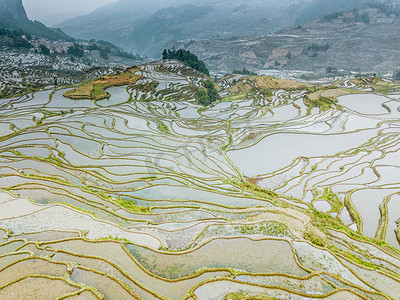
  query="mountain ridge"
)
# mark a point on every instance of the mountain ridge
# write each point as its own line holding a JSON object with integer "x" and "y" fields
{"x": 362, "y": 39}
{"x": 210, "y": 19}
{"x": 13, "y": 16}
{"x": 13, "y": 8}
{"x": 137, "y": 26}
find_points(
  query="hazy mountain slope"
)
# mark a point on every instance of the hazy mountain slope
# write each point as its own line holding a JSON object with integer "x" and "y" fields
{"x": 113, "y": 22}
{"x": 12, "y": 9}
{"x": 316, "y": 9}
{"x": 362, "y": 39}
{"x": 164, "y": 26}
{"x": 13, "y": 16}
{"x": 15, "y": 23}
{"x": 145, "y": 27}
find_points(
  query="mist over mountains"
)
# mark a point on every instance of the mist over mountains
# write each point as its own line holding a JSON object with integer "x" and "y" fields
{"x": 21, "y": 35}
{"x": 308, "y": 11}
{"x": 362, "y": 39}
{"x": 228, "y": 34}
{"x": 13, "y": 16}
{"x": 145, "y": 27}
{"x": 12, "y": 9}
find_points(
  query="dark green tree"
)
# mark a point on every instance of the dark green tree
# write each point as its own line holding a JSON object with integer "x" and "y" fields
{"x": 331, "y": 70}
{"x": 187, "y": 58}
{"x": 17, "y": 37}
{"x": 244, "y": 71}
{"x": 76, "y": 51}
{"x": 44, "y": 50}
{"x": 93, "y": 46}
{"x": 212, "y": 92}
{"x": 365, "y": 18}
{"x": 21, "y": 43}
{"x": 207, "y": 94}
{"x": 203, "y": 97}
{"x": 103, "y": 54}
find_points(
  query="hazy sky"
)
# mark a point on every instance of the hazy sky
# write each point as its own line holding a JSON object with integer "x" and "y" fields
{"x": 51, "y": 12}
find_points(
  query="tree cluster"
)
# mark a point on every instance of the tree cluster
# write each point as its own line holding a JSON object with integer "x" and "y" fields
{"x": 16, "y": 36}
{"x": 188, "y": 58}
{"x": 397, "y": 75}
{"x": 107, "y": 48}
{"x": 331, "y": 17}
{"x": 244, "y": 72}
{"x": 331, "y": 70}
{"x": 314, "y": 49}
{"x": 207, "y": 94}
{"x": 76, "y": 51}
{"x": 104, "y": 54}
{"x": 44, "y": 50}
{"x": 93, "y": 47}
{"x": 317, "y": 48}
{"x": 365, "y": 18}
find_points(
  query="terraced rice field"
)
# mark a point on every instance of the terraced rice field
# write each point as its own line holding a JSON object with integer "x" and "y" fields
{"x": 147, "y": 195}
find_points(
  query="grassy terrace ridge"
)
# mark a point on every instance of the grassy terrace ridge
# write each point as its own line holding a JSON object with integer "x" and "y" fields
{"x": 377, "y": 84}
{"x": 316, "y": 96}
{"x": 95, "y": 89}
{"x": 249, "y": 83}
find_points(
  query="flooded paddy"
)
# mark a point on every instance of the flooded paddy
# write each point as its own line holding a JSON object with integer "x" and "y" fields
{"x": 148, "y": 194}
{"x": 243, "y": 254}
